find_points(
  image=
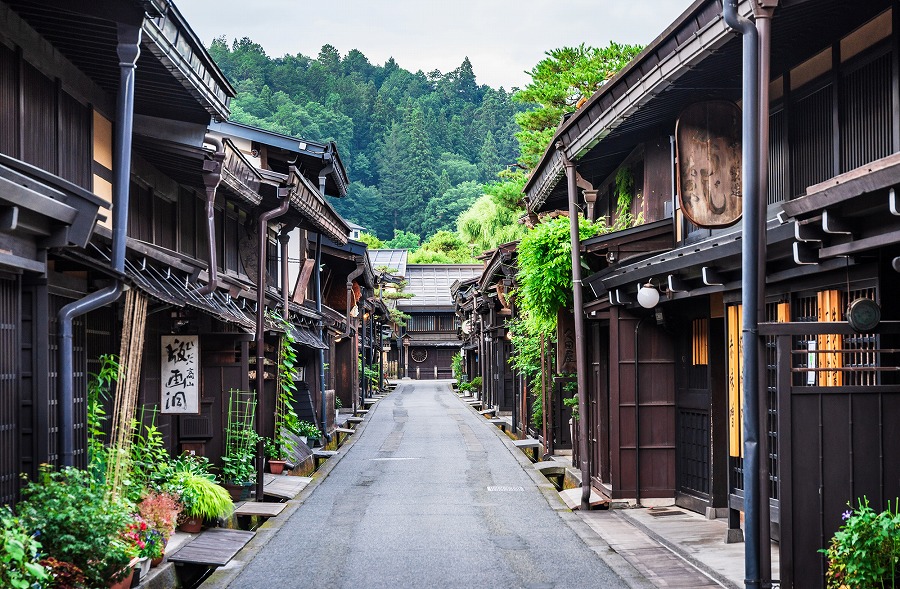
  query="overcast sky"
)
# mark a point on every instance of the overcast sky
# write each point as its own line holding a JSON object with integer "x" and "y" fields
{"x": 503, "y": 39}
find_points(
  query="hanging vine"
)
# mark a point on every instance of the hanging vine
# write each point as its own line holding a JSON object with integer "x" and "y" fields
{"x": 286, "y": 419}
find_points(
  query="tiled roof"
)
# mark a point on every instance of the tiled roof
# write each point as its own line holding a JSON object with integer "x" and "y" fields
{"x": 393, "y": 260}
{"x": 430, "y": 283}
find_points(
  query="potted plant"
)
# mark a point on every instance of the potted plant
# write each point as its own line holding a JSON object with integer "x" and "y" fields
{"x": 160, "y": 511}
{"x": 201, "y": 498}
{"x": 238, "y": 464}
{"x": 308, "y": 432}
{"x": 865, "y": 551}
{"x": 79, "y": 524}
{"x": 277, "y": 451}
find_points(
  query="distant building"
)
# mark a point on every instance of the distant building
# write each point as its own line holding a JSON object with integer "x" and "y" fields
{"x": 428, "y": 341}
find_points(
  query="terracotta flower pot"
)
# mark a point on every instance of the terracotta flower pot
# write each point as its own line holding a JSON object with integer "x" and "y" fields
{"x": 276, "y": 466}
{"x": 125, "y": 583}
{"x": 157, "y": 561}
{"x": 192, "y": 525}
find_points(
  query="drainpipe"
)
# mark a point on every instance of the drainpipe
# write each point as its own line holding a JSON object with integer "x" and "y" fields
{"x": 637, "y": 412}
{"x": 764, "y": 26}
{"x": 212, "y": 175}
{"x": 128, "y": 49}
{"x": 318, "y": 273}
{"x": 262, "y": 248}
{"x": 578, "y": 308}
{"x": 750, "y": 288}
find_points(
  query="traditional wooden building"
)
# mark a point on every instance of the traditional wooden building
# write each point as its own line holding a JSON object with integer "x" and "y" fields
{"x": 119, "y": 175}
{"x": 665, "y": 383}
{"x": 425, "y": 347}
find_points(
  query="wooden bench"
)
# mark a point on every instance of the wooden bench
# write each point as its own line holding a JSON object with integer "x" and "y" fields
{"x": 355, "y": 420}
{"x": 320, "y": 455}
{"x": 501, "y": 423}
{"x": 529, "y": 444}
{"x": 360, "y": 412}
{"x": 369, "y": 402}
{"x": 214, "y": 547}
{"x": 283, "y": 487}
{"x": 487, "y": 412}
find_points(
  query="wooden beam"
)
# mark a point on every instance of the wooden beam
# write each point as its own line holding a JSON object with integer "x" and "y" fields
{"x": 860, "y": 245}
{"x": 302, "y": 284}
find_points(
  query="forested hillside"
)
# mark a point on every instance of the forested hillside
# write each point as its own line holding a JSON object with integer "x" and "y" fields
{"x": 418, "y": 147}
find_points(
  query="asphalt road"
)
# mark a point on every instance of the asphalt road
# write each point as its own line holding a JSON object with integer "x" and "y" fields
{"x": 428, "y": 495}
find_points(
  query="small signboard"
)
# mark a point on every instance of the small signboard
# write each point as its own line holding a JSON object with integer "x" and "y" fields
{"x": 708, "y": 141}
{"x": 180, "y": 369}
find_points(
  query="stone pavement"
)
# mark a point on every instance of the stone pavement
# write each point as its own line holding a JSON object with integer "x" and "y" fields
{"x": 412, "y": 500}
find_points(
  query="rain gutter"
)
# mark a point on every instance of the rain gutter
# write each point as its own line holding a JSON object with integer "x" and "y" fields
{"x": 751, "y": 287}
{"x": 212, "y": 176}
{"x": 128, "y": 50}
{"x": 578, "y": 311}
{"x": 263, "y": 234}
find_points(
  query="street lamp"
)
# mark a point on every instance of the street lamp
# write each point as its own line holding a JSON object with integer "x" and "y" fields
{"x": 648, "y": 296}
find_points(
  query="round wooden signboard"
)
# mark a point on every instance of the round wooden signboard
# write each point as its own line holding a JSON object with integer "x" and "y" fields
{"x": 708, "y": 143}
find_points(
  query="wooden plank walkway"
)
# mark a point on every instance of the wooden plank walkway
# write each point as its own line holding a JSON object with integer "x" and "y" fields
{"x": 264, "y": 509}
{"x": 572, "y": 498}
{"x": 214, "y": 547}
{"x": 659, "y": 565}
{"x": 369, "y": 402}
{"x": 284, "y": 487}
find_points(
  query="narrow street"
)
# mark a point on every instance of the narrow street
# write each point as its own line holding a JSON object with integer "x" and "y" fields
{"x": 428, "y": 495}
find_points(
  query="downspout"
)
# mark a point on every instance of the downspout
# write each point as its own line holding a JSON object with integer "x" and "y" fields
{"x": 750, "y": 287}
{"x": 578, "y": 311}
{"x": 637, "y": 412}
{"x": 323, "y": 420}
{"x": 128, "y": 49}
{"x": 763, "y": 16}
{"x": 362, "y": 353}
{"x": 212, "y": 175}
{"x": 262, "y": 245}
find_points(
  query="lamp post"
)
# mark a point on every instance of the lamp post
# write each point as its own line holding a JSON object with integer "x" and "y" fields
{"x": 406, "y": 339}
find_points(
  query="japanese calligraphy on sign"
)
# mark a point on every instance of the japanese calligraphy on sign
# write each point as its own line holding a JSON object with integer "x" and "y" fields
{"x": 179, "y": 374}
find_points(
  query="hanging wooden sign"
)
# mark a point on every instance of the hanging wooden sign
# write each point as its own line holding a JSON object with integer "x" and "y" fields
{"x": 179, "y": 376}
{"x": 708, "y": 143}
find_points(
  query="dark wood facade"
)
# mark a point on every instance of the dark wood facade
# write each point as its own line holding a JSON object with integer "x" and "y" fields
{"x": 834, "y": 132}
{"x": 57, "y": 122}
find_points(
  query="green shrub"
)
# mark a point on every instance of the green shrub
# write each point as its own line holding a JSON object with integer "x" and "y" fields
{"x": 197, "y": 490}
{"x": 19, "y": 561}
{"x": 865, "y": 551}
{"x": 78, "y": 522}
{"x": 475, "y": 383}
{"x": 309, "y": 429}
